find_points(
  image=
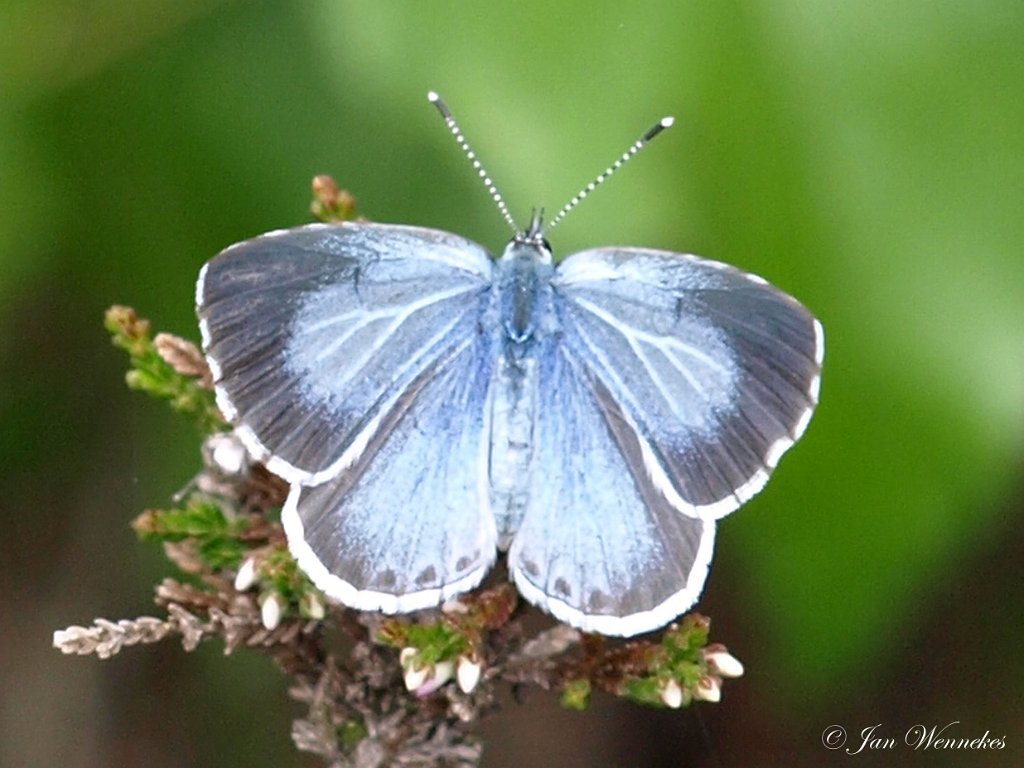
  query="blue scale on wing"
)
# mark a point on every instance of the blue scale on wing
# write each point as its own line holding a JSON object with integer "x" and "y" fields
{"x": 408, "y": 524}
{"x": 599, "y": 545}
{"x": 715, "y": 368}
{"x": 317, "y": 331}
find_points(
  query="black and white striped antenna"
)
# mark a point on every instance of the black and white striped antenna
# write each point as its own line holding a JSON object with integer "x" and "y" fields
{"x": 643, "y": 141}
{"x": 580, "y": 196}
{"x": 453, "y": 126}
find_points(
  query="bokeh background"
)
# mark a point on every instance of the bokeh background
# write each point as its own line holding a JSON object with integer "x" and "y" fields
{"x": 867, "y": 157}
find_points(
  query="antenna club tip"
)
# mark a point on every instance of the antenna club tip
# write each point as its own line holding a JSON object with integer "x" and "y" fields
{"x": 433, "y": 97}
{"x": 667, "y": 122}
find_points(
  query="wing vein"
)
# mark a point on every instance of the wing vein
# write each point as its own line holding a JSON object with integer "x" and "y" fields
{"x": 658, "y": 381}
{"x": 656, "y": 340}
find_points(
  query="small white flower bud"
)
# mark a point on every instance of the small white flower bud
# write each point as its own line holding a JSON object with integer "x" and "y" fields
{"x": 311, "y": 606}
{"x": 454, "y": 606}
{"x": 439, "y": 675}
{"x": 271, "y": 609}
{"x": 415, "y": 677}
{"x": 709, "y": 689}
{"x": 429, "y": 679}
{"x": 724, "y": 663}
{"x": 228, "y": 454}
{"x": 468, "y": 673}
{"x": 443, "y": 672}
{"x": 246, "y": 576}
{"x": 672, "y": 694}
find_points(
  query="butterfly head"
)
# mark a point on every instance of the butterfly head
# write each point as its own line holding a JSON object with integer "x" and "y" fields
{"x": 530, "y": 244}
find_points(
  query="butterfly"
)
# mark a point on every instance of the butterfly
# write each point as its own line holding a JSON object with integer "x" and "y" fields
{"x": 430, "y": 405}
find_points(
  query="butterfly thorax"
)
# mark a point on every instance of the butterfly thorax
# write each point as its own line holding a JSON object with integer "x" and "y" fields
{"x": 524, "y": 272}
{"x": 523, "y": 287}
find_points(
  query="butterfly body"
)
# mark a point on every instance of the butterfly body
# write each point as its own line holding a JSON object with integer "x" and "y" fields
{"x": 430, "y": 406}
{"x": 522, "y": 291}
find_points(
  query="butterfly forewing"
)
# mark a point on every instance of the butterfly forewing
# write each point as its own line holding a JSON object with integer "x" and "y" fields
{"x": 353, "y": 360}
{"x": 315, "y": 333}
{"x": 715, "y": 370}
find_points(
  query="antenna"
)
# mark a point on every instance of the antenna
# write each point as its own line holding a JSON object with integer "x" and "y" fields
{"x": 453, "y": 126}
{"x": 643, "y": 141}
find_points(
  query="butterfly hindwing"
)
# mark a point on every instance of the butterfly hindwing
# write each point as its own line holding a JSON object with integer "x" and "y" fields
{"x": 599, "y": 546}
{"x": 408, "y": 524}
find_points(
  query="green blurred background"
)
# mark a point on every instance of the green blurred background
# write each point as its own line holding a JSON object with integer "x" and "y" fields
{"x": 867, "y": 157}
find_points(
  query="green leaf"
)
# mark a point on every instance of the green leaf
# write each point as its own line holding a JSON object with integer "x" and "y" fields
{"x": 280, "y": 571}
{"x": 646, "y": 690}
{"x": 576, "y": 694}
{"x": 217, "y": 537}
{"x": 351, "y": 733}
{"x": 222, "y": 552}
{"x": 434, "y": 642}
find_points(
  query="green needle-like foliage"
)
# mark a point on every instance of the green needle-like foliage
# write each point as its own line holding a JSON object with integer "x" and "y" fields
{"x": 218, "y": 539}
{"x": 183, "y": 383}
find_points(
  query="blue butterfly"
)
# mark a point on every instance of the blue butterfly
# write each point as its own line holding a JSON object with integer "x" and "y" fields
{"x": 430, "y": 405}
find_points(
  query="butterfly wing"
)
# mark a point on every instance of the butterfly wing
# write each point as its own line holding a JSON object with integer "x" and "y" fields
{"x": 717, "y": 370}
{"x": 679, "y": 383}
{"x": 408, "y": 524}
{"x": 352, "y": 362}
{"x": 599, "y": 547}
